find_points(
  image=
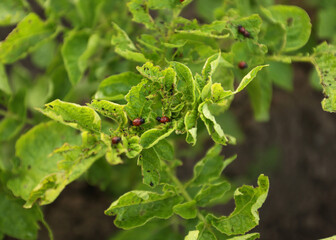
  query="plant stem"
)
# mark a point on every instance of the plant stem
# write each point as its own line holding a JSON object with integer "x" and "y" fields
{"x": 184, "y": 193}
{"x": 46, "y": 225}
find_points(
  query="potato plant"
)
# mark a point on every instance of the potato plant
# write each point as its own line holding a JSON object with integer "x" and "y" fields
{"x": 90, "y": 84}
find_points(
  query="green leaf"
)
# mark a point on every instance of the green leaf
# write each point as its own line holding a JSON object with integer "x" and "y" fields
{"x": 117, "y": 86}
{"x": 16, "y": 221}
{"x": 9, "y": 128}
{"x": 273, "y": 33}
{"x": 245, "y": 216}
{"x": 325, "y": 64}
{"x": 314, "y": 80}
{"x": 129, "y": 145}
{"x": 154, "y": 230}
{"x": 33, "y": 149}
{"x": 11, "y": 12}
{"x": 218, "y": 94}
{"x": 11, "y": 125}
{"x": 133, "y": 147}
{"x": 73, "y": 115}
{"x": 214, "y": 129}
{"x": 150, "y": 46}
{"x": 94, "y": 42}
{"x": 139, "y": 10}
{"x": 250, "y": 236}
{"x": 249, "y": 77}
{"x": 164, "y": 150}
{"x": 205, "y": 232}
{"x": 44, "y": 54}
{"x": 192, "y": 235}
{"x": 252, "y": 24}
{"x": 210, "y": 192}
{"x": 113, "y": 152}
{"x": 186, "y": 210}
{"x": 87, "y": 10}
{"x": 124, "y": 45}
{"x": 216, "y": 29}
{"x": 75, "y": 45}
{"x": 163, "y": 4}
{"x": 63, "y": 9}
{"x": 329, "y": 238}
{"x": 296, "y": 22}
{"x": 40, "y": 92}
{"x": 281, "y": 75}
{"x": 209, "y": 68}
{"x": 150, "y": 166}
{"x": 16, "y": 117}
{"x": 137, "y": 103}
{"x": 77, "y": 160}
{"x": 153, "y": 136}
{"x": 260, "y": 93}
{"x": 167, "y": 77}
{"x": 206, "y": 9}
{"x": 4, "y": 86}
{"x": 190, "y": 122}
{"x": 326, "y": 24}
{"x": 185, "y": 81}
{"x": 135, "y": 208}
{"x": 25, "y": 38}
{"x": 111, "y": 110}
{"x": 210, "y": 167}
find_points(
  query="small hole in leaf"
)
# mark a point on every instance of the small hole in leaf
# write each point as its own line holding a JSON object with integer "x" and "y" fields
{"x": 289, "y": 22}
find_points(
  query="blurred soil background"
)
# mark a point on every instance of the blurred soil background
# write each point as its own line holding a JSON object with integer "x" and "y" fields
{"x": 296, "y": 148}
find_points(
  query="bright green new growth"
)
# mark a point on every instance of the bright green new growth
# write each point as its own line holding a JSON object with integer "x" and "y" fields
{"x": 187, "y": 73}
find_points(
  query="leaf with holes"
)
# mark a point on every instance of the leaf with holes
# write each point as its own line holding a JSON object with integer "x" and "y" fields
{"x": 135, "y": 208}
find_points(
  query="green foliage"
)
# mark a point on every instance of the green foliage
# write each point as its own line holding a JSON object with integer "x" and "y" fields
{"x": 29, "y": 33}
{"x": 325, "y": 62}
{"x": 73, "y": 115}
{"x": 245, "y": 217}
{"x": 137, "y": 207}
{"x": 11, "y": 12}
{"x": 124, "y": 46}
{"x": 296, "y": 23}
{"x": 164, "y": 65}
{"x": 116, "y": 87}
{"x": 36, "y": 164}
{"x": 19, "y": 222}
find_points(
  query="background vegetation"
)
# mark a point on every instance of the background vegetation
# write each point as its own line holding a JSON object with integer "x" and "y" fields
{"x": 279, "y": 124}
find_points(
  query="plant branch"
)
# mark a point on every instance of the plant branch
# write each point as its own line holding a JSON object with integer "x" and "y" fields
{"x": 46, "y": 225}
{"x": 184, "y": 193}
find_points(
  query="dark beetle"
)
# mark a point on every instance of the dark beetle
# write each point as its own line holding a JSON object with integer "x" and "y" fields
{"x": 163, "y": 119}
{"x": 243, "y": 31}
{"x": 116, "y": 140}
{"x": 138, "y": 121}
{"x": 242, "y": 65}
